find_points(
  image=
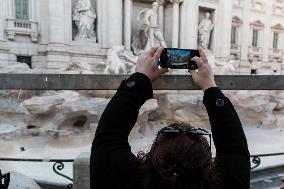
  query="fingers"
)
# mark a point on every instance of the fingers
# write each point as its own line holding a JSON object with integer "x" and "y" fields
{"x": 151, "y": 51}
{"x": 203, "y": 56}
{"x": 163, "y": 70}
{"x": 198, "y": 61}
{"x": 158, "y": 52}
{"x": 193, "y": 73}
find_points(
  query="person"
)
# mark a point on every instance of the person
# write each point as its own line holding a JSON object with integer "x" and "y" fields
{"x": 178, "y": 159}
{"x": 282, "y": 183}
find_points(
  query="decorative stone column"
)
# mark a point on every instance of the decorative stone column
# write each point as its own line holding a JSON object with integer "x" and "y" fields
{"x": 58, "y": 56}
{"x": 175, "y": 30}
{"x": 4, "y": 49}
{"x": 127, "y": 23}
{"x": 266, "y": 43}
{"x": 244, "y": 66}
{"x": 56, "y": 21}
{"x": 161, "y": 14}
{"x": 110, "y": 23}
{"x": 223, "y": 42}
{"x": 10, "y": 7}
{"x": 189, "y": 24}
{"x": 2, "y": 19}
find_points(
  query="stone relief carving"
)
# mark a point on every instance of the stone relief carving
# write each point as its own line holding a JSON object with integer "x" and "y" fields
{"x": 84, "y": 16}
{"x": 238, "y": 2}
{"x": 258, "y": 5}
{"x": 279, "y": 10}
{"x": 115, "y": 64}
{"x": 205, "y": 28}
{"x": 149, "y": 19}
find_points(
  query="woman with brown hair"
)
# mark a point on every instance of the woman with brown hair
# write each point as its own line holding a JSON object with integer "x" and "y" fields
{"x": 180, "y": 157}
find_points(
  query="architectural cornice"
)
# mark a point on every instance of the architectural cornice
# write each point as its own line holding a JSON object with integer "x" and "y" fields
{"x": 257, "y": 24}
{"x": 176, "y": 1}
{"x": 237, "y": 21}
{"x": 277, "y": 28}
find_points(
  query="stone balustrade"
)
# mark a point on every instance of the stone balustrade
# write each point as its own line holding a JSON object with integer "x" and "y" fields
{"x": 236, "y": 51}
{"x": 276, "y": 55}
{"x": 255, "y": 53}
{"x": 22, "y": 27}
{"x": 276, "y": 52}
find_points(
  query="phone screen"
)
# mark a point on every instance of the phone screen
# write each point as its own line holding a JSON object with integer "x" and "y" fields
{"x": 178, "y": 58}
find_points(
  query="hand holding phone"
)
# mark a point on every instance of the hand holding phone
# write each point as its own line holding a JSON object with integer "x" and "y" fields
{"x": 203, "y": 77}
{"x": 179, "y": 58}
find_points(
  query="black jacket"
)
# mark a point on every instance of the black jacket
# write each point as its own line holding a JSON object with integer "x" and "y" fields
{"x": 114, "y": 166}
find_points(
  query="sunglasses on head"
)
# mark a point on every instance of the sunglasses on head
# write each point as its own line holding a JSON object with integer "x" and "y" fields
{"x": 190, "y": 131}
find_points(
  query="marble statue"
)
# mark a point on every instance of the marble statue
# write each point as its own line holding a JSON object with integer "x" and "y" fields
{"x": 228, "y": 68}
{"x": 84, "y": 16}
{"x": 115, "y": 65}
{"x": 205, "y": 28}
{"x": 149, "y": 18}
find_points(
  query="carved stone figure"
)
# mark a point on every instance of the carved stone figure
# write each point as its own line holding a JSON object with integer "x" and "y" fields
{"x": 115, "y": 65}
{"x": 228, "y": 68}
{"x": 84, "y": 16}
{"x": 205, "y": 28}
{"x": 149, "y": 18}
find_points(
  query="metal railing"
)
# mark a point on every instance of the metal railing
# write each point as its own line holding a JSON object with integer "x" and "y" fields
{"x": 111, "y": 82}
{"x": 256, "y": 159}
{"x": 57, "y": 167}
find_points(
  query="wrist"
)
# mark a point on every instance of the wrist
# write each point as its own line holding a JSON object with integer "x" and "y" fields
{"x": 209, "y": 85}
{"x": 145, "y": 74}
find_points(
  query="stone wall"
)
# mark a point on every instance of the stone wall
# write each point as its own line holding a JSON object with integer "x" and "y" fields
{"x": 56, "y": 112}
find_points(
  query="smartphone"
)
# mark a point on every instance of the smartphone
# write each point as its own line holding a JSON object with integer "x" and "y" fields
{"x": 178, "y": 58}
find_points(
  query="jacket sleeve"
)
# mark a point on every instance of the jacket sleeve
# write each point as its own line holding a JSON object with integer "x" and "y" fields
{"x": 111, "y": 157}
{"x": 232, "y": 154}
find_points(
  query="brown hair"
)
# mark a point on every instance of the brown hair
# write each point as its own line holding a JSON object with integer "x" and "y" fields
{"x": 178, "y": 162}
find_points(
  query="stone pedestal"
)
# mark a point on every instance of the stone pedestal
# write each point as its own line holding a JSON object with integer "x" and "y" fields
{"x": 58, "y": 57}
{"x": 4, "y": 55}
{"x": 81, "y": 171}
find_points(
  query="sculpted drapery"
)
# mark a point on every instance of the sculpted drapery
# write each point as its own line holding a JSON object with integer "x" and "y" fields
{"x": 84, "y": 16}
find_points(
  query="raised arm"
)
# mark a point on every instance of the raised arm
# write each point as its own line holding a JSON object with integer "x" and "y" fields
{"x": 112, "y": 163}
{"x": 232, "y": 155}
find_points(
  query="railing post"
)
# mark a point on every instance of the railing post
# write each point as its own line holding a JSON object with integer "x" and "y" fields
{"x": 81, "y": 172}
